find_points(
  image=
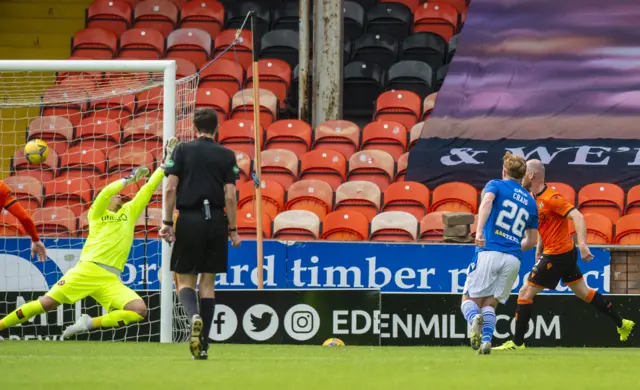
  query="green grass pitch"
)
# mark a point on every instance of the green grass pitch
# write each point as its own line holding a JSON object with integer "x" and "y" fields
{"x": 94, "y": 366}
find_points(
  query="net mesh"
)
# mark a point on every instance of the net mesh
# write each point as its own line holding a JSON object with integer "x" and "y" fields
{"x": 98, "y": 127}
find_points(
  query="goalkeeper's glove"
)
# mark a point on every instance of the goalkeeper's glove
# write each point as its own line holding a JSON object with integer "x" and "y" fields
{"x": 137, "y": 174}
{"x": 171, "y": 145}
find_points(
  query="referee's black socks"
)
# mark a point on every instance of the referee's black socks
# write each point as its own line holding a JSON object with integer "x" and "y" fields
{"x": 523, "y": 314}
{"x": 604, "y": 306}
{"x": 189, "y": 301}
{"x": 207, "y": 311}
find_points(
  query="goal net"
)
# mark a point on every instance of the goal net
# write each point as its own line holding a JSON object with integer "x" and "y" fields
{"x": 100, "y": 120}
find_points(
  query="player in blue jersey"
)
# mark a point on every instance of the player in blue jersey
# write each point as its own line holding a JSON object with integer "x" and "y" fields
{"x": 507, "y": 223}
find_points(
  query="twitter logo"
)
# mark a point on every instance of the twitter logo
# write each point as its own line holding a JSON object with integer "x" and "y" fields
{"x": 260, "y": 322}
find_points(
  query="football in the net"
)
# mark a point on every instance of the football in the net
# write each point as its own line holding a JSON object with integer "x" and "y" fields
{"x": 333, "y": 342}
{"x": 36, "y": 151}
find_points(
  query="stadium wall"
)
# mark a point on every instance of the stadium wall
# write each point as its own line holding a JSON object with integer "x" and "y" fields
{"x": 625, "y": 270}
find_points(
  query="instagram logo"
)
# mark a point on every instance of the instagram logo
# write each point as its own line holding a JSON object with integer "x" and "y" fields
{"x": 302, "y": 322}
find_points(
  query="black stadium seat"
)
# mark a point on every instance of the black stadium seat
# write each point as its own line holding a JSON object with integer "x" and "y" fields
{"x": 348, "y": 50}
{"x": 236, "y": 12}
{"x": 353, "y": 15}
{"x": 453, "y": 45}
{"x": 363, "y": 83}
{"x": 425, "y": 47}
{"x": 441, "y": 73}
{"x": 287, "y": 17}
{"x": 412, "y": 76}
{"x": 379, "y": 48}
{"x": 390, "y": 18}
{"x": 281, "y": 44}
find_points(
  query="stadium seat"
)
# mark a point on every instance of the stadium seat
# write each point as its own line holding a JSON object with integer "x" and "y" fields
{"x": 286, "y": 17}
{"x": 390, "y": 18}
{"x": 427, "y": 105}
{"x": 223, "y": 74}
{"x": 239, "y": 135}
{"x": 272, "y": 197}
{"x": 207, "y": 15}
{"x": 279, "y": 165}
{"x": 633, "y": 200}
{"x": 83, "y": 225}
{"x": 403, "y": 164}
{"x": 441, "y": 74}
{"x": 275, "y": 76}
{"x": 95, "y": 43}
{"x": 119, "y": 107}
{"x": 67, "y": 103}
{"x": 243, "y": 161}
{"x": 55, "y": 221}
{"x": 415, "y": 133}
{"x": 426, "y": 47}
{"x": 98, "y": 134}
{"x": 341, "y": 136}
{"x": 214, "y": 98}
{"x": 281, "y": 44}
{"x": 431, "y": 227}
{"x": 10, "y": 226}
{"x": 376, "y": 166}
{"x": 407, "y": 196}
{"x": 150, "y": 100}
{"x": 326, "y": 165}
{"x": 436, "y": 17}
{"x": 354, "y": 17}
{"x": 54, "y": 130}
{"x": 377, "y": 48}
{"x": 296, "y": 225}
{"x": 142, "y": 43}
{"x": 246, "y": 223}
{"x": 414, "y": 76}
{"x": 455, "y": 197}
{"x": 361, "y": 196}
{"x": 345, "y": 226}
{"x": 312, "y": 195}
{"x": 185, "y": 68}
{"x": 396, "y": 226}
{"x": 161, "y": 15}
{"x": 242, "y": 106}
{"x": 43, "y": 172}
{"x": 240, "y": 53}
{"x": 27, "y": 190}
{"x": 399, "y": 106}
{"x": 602, "y": 198}
{"x": 237, "y": 12}
{"x": 460, "y": 5}
{"x": 191, "y": 44}
{"x": 290, "y": 134}
{"x": 149, "y": 223}
{"x": 362, "y": 83}
{"x": 112, "y": 15}
{"x": 452, "y": 47}
{"x": 385, "y": 135}
{"x": 143, "y": 134}
{"x": 567, "y": 192}
{"x": 628, "y": 230}
{"x": 80, "y": 161}
{"x": 599, "y": 229}
{"x": 411, "y": 4}
{"x": 128, "y": 158}
{"x": 74, "y": 193}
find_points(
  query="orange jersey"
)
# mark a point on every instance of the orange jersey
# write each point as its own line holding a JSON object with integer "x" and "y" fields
{"x": 553, "y": 225}
{"x": 6, "y": 199}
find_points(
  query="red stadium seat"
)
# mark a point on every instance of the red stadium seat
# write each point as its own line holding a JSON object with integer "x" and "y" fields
{"x": 142, "y": 43}
{"x": 10, "y": 226}
{"x": 361, "y": 196}
{"x": 242, "y": 106}
{"x": 143, "y": 134}
{"x": 599, "y": 229}
{"x": 80, "y": 161}
{"x": 460, "y": 5}
{"x": 27, "y": 190}
{"x": 428, "y": 105}
{"x": 150, "y": 100}
{"x": 191, "y": 44}
{"x": 326, "y": 165}
{"x": 214, "y": 98}
{"x": 398, "y": 106}
{"x": 55, "y": 221}
{"x": 414, "y": 134}
{"x": 44, "y": 172}
{"x": 112, "y": 15}
{"x": 279, "y": 165}
{"x": 436, "y": 17}
{"x": 243, "y": 161}
{"x": 403, "y": 163}
{"x": 239, "y": 135}
{"x": 407, "y": 196}
{"x": 84, "y": 82}
{"x": 149, "y": 223}
{"x": 567, "y": 192}
{"x": 246, "y": 223}
{"x": 55, "y": 131}
{"x": 207, "y": 15}
{"x": 67, "y": 103}
{"x": 98, "y": 133}
{"x": 226, "y": 75}
{"x": 119, "y": 107}
{"x": 161, "y": 15}
{"x": 455, "y": 197}
{"x": 74, "y": 193}
{"x": 83, "y": 225}
{"x": 272, "y": 197}
{"x": 311, "y": 195}
{"x": 602, "y": 198}
{"x": 431, "y": 227}
{"x": 184, "y": 68}
{"x": 291, "y": 134}
{"x": 95, "y": 43}
{"x": 628, "y": 230}
{"x": 296, "y": 225}
{"x": 345, "y": 226}
{"x": 241, "y": 52}
{"x": 338, "y": 135}
{"x": 127, "y": 158}
{"x": 375, "y": 166}
{"x": 275, "y": 75}
{"x": 387, "y": 136}
{"x": 397, "y": 226}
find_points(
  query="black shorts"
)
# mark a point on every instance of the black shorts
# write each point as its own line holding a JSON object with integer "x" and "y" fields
{"x": 201, "y": 245}
{"x": 550, "y": 269}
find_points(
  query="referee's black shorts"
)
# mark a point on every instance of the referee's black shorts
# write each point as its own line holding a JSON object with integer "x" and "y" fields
{"x": 201, "y": 245}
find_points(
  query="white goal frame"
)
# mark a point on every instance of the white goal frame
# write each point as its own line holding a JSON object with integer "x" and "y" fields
{"x": 168, "y": 68}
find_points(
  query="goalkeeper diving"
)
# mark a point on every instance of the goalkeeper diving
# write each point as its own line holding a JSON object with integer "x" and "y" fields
{"x": 104, "y": 255}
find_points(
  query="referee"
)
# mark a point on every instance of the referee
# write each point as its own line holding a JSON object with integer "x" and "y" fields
{"x": 201, "y": 178}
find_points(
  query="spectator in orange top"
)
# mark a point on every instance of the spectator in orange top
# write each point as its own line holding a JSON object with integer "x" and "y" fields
{"x": 8, "y": 202}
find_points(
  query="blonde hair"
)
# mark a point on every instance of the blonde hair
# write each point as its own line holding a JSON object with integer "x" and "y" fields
{"x": 515, "y": 166}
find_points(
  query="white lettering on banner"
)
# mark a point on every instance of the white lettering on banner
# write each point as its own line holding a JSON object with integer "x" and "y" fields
{"x": 34, "y": 337}
{"x": 606, "y": 285}
{"x": 400, "y": 277}
{"x": 338, "y": 321}
{"x": 463, "y": 155}
{"x": 635, "y": 161}
{"x": 355, "y": 314}
{"x": 133, "y": 273}
{"x": 344, "y": 277}
{"x": 541, "y": 151}
{"x": 539, "y": 326}
{"x": 456, "y": 286}
{"x": 234, "y": 275}
{"x": 585, "y": 151}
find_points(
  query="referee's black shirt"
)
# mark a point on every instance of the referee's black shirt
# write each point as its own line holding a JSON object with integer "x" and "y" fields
{"x": 203, "y": 167}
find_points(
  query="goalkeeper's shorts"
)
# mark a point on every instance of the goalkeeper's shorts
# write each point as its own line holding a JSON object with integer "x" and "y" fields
{"x": 89, "y": 279}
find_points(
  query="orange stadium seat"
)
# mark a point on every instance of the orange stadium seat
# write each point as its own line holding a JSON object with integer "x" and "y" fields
{"x": 242, "y": 50}
{"x": 43, "y": 172}
{"x": 275, "y": 75}
{"x": 296, "y": 225}
{"x": 243, "y": 161}
{"x": 279, "y": 165}
{"x": 142, "y": 43}
{"x": 118, "y": 107}
{"x": 74, "y": 193}
{"x": 628, "y": 230}
{"x": 414, "y": 134}
{"x": 161, "y": 15}
{"x": 54, "y": 130}
{"x": 226, "y": 75}
{"x": 10, "y": 226}
{"x": 398, "y": 106}
{"x": 98, "y": 134}
{"x": 239, "y": 135}
{"x": 599, "y": 229}
{"x": 67, "y": 103}
{"x": 361, "y": 196}
{"x": 338, "y": 135}
{"x": 460, "y": 5}
{"x": 633, "y": 200}
{"x": 290, "y": 134}
{"x": 272, "y": 197}
{"x": 80, "y": 81}
{"x": 375, "y": 166}
{"x": 149, "y": 225}
{"x": 137, "y": 135}
{"x": 427, "y": 105}
{"x": 83, "y": 225}
{"x": 567, "y": 192}
{"x": 206, "y": 15}
{"x": 455, "y": 197}
{"x": 403, "y": 163}
{"x": 312, "y": 195}
{"x": 150, "y": 100}
{"x": 246, "y": 223}
{"x": 431, "y": 227}
{"x": 214, "y": 98}
{"x": 184, "y": 68}
{"x": 326, "y": 165}
{"x": 602, "y": 198}
{"x": 407, "y": 196}
{"x": 128, "y": 158}
{"x": 191, "y": 44}
{"x": 112, "y": 15}
{"x": 80, "y": 161}
{"x": 55, "y": 221}
{"x": 242, "y": 106}
{"x": 387, "y": 136}
{"x": 394, "y": 226}
{"x": 345, "y": 226}
{"x": 27, "y": 190}
{"x": 95, "y": 43}
{"x": 436, "y": 17}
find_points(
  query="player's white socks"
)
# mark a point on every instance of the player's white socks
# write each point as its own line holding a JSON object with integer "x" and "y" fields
{"x": 469, "y": 310}
{"x": 488, "y": 324}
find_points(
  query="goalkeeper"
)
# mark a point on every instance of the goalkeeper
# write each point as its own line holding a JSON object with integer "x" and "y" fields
{"x": 97, "y": 274}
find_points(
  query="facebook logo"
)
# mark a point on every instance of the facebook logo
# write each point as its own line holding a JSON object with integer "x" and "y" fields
{"x": 225, "y": 323}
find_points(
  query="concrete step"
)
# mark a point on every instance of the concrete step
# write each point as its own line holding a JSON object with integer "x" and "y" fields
{"x": 42, "y": 40}
{"x": 33, "y": 53}
{"x": 42, "y": 9}
{"x": 68, "y": 26}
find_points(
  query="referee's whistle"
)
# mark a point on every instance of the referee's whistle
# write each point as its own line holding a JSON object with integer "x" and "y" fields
{"x": 207, "y": 210}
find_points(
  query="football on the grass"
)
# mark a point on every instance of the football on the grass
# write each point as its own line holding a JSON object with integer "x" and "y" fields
{"x": 333, "y": 342}
{"x": 36, "y": 151}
